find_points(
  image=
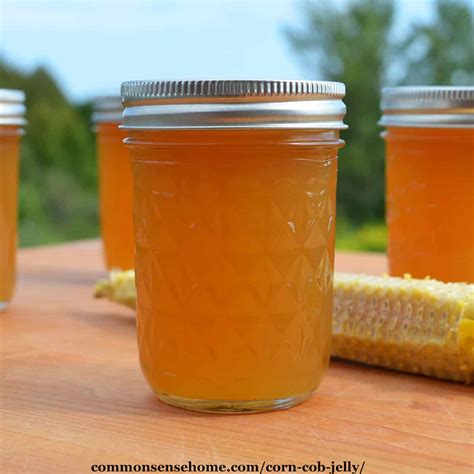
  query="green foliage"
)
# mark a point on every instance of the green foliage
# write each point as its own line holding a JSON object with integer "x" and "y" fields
{"x": 442, "y": 53}
{"x": 58, "y": 197}
{"x": 370, "y": 236}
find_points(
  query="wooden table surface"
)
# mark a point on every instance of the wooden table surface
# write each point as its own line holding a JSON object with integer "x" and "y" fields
{"x": 72, "y": 394}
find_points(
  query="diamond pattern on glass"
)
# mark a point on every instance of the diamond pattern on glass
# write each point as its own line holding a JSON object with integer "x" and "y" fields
{"x": 234, "y": 273}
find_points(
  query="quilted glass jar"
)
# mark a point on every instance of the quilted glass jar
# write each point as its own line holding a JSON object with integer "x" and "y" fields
{"x": 234, "y": 204}
{"x": 12, "y": 120}
{"x": 430, "y": 181}
{"x": 115, "y": 185}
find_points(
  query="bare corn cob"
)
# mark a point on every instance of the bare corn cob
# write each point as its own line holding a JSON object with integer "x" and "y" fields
{"x": 419, "y": 326}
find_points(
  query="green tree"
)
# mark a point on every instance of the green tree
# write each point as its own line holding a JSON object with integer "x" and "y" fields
{"x": 441, "y": 52}
{"x": 351, "y": 45}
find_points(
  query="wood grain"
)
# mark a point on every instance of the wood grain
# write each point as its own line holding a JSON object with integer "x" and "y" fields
{"x": 72, "y": 394}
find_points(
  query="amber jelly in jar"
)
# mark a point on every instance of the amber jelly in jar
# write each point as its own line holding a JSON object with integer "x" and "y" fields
{"x": 115, "y": 184}
{"x": 234, "y": 208}
{"x": 12, "y": 121}
{"x": 430, "y": 181}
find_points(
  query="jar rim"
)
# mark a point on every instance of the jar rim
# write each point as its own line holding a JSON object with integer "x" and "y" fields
{"x": 12, "y": 107}
{"x": 107, "y": 109}
{"x": 428, "y": 106}
{"x": 232, "y": 104}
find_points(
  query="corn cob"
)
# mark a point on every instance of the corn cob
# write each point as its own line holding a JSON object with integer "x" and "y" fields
{"x": 419, "y": 326}
{"x": 119, "y": 287}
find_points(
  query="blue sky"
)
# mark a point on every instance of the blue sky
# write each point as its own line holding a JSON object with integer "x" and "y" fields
{"x": 92, "y": 46}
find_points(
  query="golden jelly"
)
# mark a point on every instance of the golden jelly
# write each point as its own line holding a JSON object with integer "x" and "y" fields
{"x": 234, "y": 203}
{"x": 430, "y": 181}
{"x": 11, "y": 122}
{"x": 115, "y": 185}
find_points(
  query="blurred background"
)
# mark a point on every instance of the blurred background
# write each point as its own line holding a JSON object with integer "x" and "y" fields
{"x": 63, "y": 53}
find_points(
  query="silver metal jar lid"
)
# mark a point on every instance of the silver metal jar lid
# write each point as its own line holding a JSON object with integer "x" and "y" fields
{"x": 428, "y": 106}
{"x": 12, "y": 107}
{"x": 107, "y": 109}
{"x": 240, "y": 104}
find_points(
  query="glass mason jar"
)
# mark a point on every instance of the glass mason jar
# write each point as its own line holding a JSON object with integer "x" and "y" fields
{"x": 430, "y": 181}
{"x": 115, "y": 185}
{"x": 234, "y": 205}
{"x": 12, "y": 111}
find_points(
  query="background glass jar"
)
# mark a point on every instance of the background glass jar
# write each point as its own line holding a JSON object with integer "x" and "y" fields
{"x": 12, "y": 120}
{"x": 430, "y": 181}
{"x": 234, "y": 202}
{"x": 115, "y": 185}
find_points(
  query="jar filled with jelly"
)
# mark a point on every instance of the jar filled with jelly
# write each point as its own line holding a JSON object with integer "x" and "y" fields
{"x": 430, "y": 181}
{"x": 12, "y": 121}
{"x": 115, "y": 185}
{"x": 234, "y": 203}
